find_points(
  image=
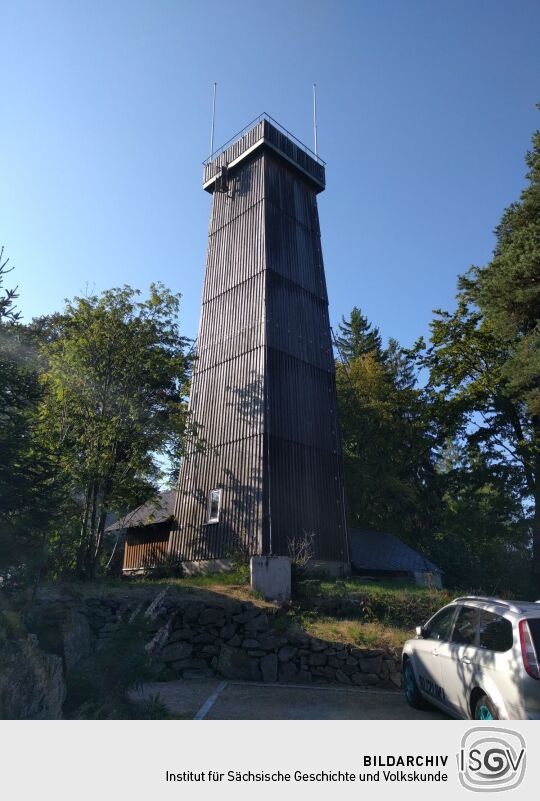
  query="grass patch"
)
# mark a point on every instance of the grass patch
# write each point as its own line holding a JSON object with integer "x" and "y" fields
{"x": 364, "y": 613}
{"x": 236, "y": 577}
{"x": 103, "y": 588}
{"x": 364, "y": 635}
{"x": 399, "y": 605}
{"x": 352, "y": 584}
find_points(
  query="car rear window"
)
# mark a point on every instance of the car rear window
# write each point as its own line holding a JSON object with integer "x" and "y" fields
{"x": 534, "y": 626}
{"x": 466, "y": 626}
{"x": 496, "y": 633}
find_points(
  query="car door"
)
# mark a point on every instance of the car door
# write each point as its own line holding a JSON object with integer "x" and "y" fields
{"x": 435, "y": 634}
{"x": 458, "y": 659}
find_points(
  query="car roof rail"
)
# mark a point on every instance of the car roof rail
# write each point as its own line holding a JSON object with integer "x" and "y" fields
{"x": 495, "y": 601}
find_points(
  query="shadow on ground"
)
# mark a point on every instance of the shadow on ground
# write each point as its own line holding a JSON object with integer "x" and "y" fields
{"x": 233, "y": 700}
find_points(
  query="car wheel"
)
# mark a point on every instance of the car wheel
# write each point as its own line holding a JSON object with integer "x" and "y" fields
{"x": 412, "y": 693}
{"x": 485, "y": 709}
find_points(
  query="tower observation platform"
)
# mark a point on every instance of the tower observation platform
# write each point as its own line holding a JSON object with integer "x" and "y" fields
{"x": 265, "y": 133}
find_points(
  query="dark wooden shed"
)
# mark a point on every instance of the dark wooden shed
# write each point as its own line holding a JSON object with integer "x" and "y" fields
{"x": 145, "y": 532}
{"x": 383, "y": 555}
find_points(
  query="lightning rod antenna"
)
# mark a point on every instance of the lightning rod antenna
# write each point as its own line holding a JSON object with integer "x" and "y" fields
{"x": 315, "y": 116}
{"x": 213, "y": 119}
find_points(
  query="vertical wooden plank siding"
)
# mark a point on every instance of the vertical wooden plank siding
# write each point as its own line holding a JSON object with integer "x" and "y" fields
{"x": 227, "y": 399}
{"x": 146, "y": 548}
{"x": 304, "y": 451}
{"x": 263, "y": 391}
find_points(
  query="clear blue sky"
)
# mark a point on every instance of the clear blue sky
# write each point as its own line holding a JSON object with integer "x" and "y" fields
{"x": 426, "y": 109}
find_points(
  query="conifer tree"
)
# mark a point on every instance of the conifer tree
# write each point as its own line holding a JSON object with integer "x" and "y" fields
{"x": 357, "y": 336}
{"x": 484, "y": 358}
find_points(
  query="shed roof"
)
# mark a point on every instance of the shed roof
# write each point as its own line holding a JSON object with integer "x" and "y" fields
{"x": 158, "y": 510}
{"x": 376, "y": 550}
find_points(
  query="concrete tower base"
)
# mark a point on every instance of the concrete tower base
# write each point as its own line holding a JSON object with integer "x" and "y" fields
{"x": 271, "y": 577}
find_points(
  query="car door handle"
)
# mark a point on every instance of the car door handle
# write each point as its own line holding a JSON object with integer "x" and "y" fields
{"x": 465, "y": 660}
{"x": 435, "y": 652}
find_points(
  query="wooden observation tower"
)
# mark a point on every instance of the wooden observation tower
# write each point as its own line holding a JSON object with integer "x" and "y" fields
{"x": 266, "y": 474}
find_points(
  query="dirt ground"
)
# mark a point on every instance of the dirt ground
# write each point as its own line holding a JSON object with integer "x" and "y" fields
{"x": 214, "y": 699}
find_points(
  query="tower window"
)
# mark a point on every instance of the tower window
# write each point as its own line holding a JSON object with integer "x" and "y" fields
{"x": 214, "y": 505}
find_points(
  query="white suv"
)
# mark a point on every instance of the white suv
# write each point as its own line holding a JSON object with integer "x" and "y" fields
{"x": 477, "y": 658}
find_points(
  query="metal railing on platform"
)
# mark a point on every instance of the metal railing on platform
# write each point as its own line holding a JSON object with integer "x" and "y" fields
{"x": 275, "y": 124}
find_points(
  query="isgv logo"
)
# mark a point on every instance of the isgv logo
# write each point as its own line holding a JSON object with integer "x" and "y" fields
{"x": 491, "y": 759}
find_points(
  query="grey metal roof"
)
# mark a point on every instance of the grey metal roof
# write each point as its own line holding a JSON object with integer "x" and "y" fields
{"x": 155, "y": 511}
{"x": 376, "y": 550}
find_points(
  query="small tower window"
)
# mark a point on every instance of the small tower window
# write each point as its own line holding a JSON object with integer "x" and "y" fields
{"x": 214, "y": 505}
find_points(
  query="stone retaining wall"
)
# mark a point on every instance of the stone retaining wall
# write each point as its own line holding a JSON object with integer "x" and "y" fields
{"x": 203, "y": 634}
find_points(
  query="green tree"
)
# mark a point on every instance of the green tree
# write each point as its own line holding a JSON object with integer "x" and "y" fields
{"x": 357, "y": 337}
{"x": 114, "y": 405}
{"x": 484, "y": 358}
{"x": 8, "y": 310}
{"x": 26, "y": 500}
{"x": 481, "y": 537}
{"x": 387, "y": 441}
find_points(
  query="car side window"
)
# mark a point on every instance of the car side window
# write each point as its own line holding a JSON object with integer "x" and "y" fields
{"x": 438, "y": 628}
{"x": 466, "y": 626}
{"x": 496, "y": 633}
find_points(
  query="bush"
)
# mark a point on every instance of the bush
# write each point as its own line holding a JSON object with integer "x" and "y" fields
{"x": 98, "y": 687}
{"x": 301, "y": 551}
